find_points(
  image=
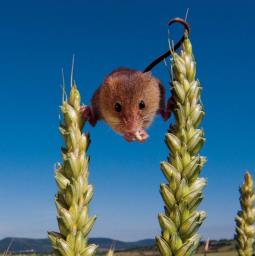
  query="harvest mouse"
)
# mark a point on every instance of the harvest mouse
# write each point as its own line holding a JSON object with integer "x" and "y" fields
{"x": 128, "y": 100}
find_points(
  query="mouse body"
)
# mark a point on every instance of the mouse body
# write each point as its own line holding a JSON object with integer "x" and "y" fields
{"x": 128, "y": 100}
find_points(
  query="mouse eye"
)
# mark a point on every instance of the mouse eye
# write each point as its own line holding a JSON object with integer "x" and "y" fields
{"x": 141, "y": 104}
{"x": 117, "y": 107}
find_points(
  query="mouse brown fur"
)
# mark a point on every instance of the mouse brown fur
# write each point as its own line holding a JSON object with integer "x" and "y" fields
{"x": 128, "y": 101}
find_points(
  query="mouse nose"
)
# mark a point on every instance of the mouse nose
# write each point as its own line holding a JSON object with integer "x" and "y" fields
{"x": 131, "y": 124}
{"x": 140, "y": 135}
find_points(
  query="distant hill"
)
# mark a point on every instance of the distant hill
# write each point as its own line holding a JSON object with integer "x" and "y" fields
{"x": 19, "y": 245}
{"x": 25, "y": 244}
{"x": 44, "y": 246}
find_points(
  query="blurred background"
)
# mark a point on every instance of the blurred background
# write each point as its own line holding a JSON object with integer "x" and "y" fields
{"x": 38, "y": 38}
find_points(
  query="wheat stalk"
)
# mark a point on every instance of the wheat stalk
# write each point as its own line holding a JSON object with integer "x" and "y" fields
{"x": 74, "y": 194}
{"x": 245, "y": 219}
{"x": 183, "y": 192}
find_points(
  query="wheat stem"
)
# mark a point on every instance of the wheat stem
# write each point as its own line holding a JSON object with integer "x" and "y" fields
{"x": 245, "y": 219}
{"x": 74, "y": 194}
{"x": 183, "y": 192}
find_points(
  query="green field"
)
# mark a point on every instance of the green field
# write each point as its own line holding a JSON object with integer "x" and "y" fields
{"x": 220, "y": 254}
{"x": 151, "y": 253}
{"x": 136, "y": 253}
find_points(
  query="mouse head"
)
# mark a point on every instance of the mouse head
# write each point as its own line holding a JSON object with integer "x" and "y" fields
{"x": 129, "y": 101}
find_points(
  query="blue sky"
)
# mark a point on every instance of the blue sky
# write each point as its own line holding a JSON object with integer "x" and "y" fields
{"x": 38, "y": 38}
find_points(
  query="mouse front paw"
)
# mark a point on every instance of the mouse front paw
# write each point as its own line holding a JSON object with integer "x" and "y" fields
{"x": 87, "y": 114}
{"x": 166, "y": 113}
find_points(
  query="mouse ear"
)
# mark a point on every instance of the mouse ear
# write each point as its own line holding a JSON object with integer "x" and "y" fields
{"x": 108, "y": 80}
{"x": 147, "y": 73}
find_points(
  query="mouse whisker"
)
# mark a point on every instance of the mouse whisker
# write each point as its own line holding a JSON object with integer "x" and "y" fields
{"x": 150, "y": 113}
{"x": 112, "y": 122}
{"x": 148, "y": 117}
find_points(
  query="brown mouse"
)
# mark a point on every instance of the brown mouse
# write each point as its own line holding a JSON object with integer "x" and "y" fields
{"x": 128, "y": 100}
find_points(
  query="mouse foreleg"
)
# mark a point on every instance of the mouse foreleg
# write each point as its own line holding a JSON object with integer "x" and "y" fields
{"x": 166, "y": 112}
{"x": 88, "y": 115}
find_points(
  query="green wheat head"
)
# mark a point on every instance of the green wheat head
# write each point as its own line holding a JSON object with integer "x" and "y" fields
{"x": 245, "y": 219}
{"x": 74, "y": 192}
{"x": 183, "y": 192}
